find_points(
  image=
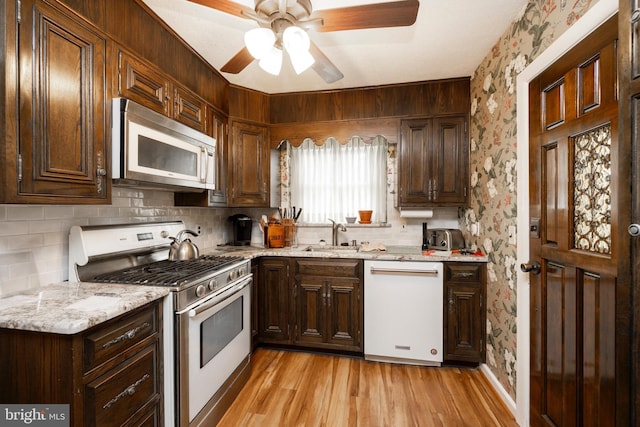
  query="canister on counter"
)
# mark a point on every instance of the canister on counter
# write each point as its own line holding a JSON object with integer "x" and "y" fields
{"x": 275, "y": 235}
{"x": 290, "y": 238}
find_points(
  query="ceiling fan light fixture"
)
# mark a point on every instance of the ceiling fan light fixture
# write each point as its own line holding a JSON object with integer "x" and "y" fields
{"x": 259, "y": 42}
{"x": 296, "y": 40}
{"x": 272, "y": 62}
{"x": 301, "y": 61}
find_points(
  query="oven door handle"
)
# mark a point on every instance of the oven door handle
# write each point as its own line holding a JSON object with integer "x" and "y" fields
{"x": 219, "y": 298}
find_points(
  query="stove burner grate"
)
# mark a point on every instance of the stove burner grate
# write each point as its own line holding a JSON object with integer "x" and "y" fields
{"x": 168, "y": 273}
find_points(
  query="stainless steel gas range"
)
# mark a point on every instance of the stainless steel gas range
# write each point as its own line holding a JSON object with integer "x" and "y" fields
{"x": 206, "y": 319}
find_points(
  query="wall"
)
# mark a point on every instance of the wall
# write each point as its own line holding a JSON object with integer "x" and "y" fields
{"x": 493, "y": 136}
{"x": 34, "y": 238}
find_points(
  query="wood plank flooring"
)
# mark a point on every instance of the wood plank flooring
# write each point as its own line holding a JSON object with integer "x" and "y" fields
{"x": 290, "y": 388}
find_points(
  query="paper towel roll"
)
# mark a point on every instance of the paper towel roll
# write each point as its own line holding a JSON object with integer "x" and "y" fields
{"x": 416, "y": 213}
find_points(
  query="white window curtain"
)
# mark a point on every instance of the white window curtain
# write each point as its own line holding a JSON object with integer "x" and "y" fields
{"x": 333, "y": 180}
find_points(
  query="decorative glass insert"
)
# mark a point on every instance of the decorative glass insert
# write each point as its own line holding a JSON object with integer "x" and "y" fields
{"x": 592, "y": 191}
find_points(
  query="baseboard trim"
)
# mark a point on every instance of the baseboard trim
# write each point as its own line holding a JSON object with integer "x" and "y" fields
{"x": 506, "y": 398}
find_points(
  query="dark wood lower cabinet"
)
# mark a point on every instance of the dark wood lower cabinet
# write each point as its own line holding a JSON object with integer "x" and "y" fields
{"x": 464, "y": 312}
{"x": 328, "y": 304}
{"x": 311, "y": 303}
{"x": 109, "y": 375}
{"x": 273, "y": 301}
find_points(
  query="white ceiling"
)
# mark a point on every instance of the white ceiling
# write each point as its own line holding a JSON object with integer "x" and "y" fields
{"x": 449, "y": 39}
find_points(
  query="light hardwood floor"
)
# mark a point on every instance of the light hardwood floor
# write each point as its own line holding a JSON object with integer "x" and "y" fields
{"x": 289, "y": 388}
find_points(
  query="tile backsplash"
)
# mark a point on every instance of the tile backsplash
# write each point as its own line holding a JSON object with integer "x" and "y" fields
{"x": 34, "y": 238}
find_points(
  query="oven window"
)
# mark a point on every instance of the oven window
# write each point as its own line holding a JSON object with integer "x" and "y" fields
{"x": 158, "y": 155}
{"x": 219, "y": 330}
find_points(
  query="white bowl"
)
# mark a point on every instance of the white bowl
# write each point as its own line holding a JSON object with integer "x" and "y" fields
{"x": 350, "y": 219}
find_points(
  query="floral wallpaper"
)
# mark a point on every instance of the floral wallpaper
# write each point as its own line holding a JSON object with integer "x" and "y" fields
{"x": 493, "y": 166}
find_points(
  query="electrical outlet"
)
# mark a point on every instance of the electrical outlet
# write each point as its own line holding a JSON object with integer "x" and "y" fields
{"x": 512, "y": 235}
{"x": 198, "y": 230}
{"x": 403, "y": 227}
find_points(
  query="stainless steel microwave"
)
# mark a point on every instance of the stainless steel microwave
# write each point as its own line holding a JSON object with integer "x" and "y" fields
{"x": 153, "y": 151}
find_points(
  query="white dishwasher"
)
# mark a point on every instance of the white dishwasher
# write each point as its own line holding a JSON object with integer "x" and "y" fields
{"x": 403, "y": 312}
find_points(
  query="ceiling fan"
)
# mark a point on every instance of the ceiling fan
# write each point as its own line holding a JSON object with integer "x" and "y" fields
{"x": 283, "y": 24}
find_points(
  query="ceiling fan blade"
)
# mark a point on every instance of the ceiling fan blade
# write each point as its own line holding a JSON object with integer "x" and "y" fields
{"x": 380, "y": 15}
{"x": 226, "y": 6}
{"x": 239, "y": 62}
{"x": 323, "y": 66}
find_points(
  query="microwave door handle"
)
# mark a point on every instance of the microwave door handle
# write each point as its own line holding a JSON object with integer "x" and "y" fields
{"x": 204, "y": 164}
{"x": 207, "y": 157}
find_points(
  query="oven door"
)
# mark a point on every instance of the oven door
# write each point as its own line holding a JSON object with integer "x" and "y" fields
{"x": 214, "y": 338}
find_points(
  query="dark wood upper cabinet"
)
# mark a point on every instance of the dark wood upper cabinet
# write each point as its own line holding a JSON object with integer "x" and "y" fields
{"x": 60, "y": 152}
{"x": 433, "y": 162}
{"x": 249, "y": 165}
{"x": 147, "y": 85}
{"x": 141, "y": 83}
{"x": 217, "y": 126}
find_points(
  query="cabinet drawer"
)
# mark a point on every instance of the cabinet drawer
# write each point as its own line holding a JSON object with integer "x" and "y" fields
{"x": 334, "y": 268}
{"x": 463, "y": 272}
{"x": 114, "y": 339}
{"x": 116, "y": 396}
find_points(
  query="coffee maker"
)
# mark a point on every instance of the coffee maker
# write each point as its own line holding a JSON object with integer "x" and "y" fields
{"x": 241, "y": 229}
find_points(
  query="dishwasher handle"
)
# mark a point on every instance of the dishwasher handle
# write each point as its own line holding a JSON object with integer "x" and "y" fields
{"x": 378, "y": 270}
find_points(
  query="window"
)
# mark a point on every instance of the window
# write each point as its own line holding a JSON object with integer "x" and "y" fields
{"x": 333, "y": 180}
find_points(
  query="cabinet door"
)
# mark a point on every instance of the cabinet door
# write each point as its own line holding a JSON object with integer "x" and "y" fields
{"x": 62, "y": 144}
{"x": 451, "y": 156}
{"x": 414, "y": 163}
{"x": 311, "y": 306}
{"x": 464, "y": 311}
{"x": 249, "y": 165}
{"x": 433, "y": 162}
{"x": 343, "y": 314}
{"x": 464, "y": 324}
{"x": 189, "y": 108}
{"x": 143, "y": 84}
{"x": 217, "y": 128}
{"x": 273, "y": 300}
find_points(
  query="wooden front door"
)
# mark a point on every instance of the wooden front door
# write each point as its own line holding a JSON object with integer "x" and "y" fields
{"x": 578, "y": 186}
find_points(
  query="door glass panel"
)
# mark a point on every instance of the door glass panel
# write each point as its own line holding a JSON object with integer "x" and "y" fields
{"x": 592, "y": 190}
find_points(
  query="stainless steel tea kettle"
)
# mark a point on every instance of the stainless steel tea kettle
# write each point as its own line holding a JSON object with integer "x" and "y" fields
{"x": 183, "y": 249}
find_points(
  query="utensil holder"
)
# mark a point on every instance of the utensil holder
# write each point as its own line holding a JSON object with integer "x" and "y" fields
{"x": 290, "y": 232}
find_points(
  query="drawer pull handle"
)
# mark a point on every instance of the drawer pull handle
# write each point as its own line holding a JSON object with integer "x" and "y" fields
{"x": 130, "y": 334}
{"x": 129, "y": 391}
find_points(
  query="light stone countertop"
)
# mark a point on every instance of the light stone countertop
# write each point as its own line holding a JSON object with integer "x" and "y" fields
{"x": 392, "y": 253}
{"x": 68, "y": 308}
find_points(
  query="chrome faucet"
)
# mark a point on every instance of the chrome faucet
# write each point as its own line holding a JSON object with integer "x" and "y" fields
{"x": 336, "y": 227}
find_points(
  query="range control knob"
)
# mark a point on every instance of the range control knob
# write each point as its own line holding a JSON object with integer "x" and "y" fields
{"x": 241, "y": 272}
{"x": 200, "y": 290}
{"x": 212, "y": 284}
{"x": 233, "y": 274}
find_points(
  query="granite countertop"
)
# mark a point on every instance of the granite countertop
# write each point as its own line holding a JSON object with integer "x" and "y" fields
{"x": 392, "y": 253}
{"x": 69, "y": 308}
